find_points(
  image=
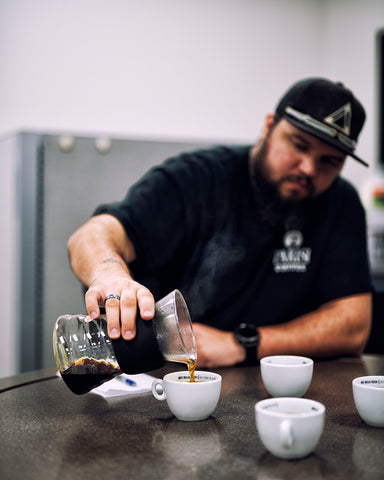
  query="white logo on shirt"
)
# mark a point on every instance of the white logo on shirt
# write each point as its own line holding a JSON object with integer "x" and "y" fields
{"x": 292, "y": 258}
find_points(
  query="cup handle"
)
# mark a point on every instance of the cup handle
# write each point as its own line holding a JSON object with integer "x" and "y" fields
{"x": 286, "y": 434}
{"x": 158, "y": 384}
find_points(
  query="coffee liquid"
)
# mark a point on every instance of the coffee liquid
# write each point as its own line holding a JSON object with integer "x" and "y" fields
{"x": 191, "y": 368}
{"x": 88, "y": 373}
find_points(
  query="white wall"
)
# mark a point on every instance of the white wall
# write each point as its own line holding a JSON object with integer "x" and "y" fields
{"x": 202, "y": 69}
{"x": 207, "y": 68}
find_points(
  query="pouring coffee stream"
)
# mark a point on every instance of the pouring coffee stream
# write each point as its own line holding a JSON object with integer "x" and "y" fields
{"x": 191, "y": 370}
{"x": 86, "y": 357}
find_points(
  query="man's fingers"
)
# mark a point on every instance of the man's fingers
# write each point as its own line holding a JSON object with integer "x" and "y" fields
{"x": 92, "y": 299}
{"x": 146, "y": 303}
{"x": 120, "y": 304}
{"x": 112, "y": 310}
{"x": 128, "y": 307}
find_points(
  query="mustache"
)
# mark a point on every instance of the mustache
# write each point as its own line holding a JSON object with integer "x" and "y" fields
{"x": 303, "y": 180}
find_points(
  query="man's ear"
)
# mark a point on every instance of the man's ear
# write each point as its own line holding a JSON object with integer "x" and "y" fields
{"x": 269, "y": 120}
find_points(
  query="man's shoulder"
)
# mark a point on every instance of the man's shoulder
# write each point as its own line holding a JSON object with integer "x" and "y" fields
{"x": 343, "y": 199}
{"x": 218, "y": 162}
{"x": 343, "y": 188}
{"x": 213, "y": 155}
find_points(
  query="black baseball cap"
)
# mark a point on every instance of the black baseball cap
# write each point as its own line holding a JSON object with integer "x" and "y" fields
{"x": 327, "y": 110}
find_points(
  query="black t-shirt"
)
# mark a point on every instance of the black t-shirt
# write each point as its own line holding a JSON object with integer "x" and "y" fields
{"x": 196, "y": 225}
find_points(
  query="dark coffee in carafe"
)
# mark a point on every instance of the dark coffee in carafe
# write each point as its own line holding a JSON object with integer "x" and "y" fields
{"x": 88, "y": 373}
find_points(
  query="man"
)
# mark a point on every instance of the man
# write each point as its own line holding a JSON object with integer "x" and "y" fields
{"x": 266, "y": 243}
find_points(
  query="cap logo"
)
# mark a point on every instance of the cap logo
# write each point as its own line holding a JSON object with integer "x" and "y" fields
{"x": 341, "y": 118}
{"x": 333, "y": 131}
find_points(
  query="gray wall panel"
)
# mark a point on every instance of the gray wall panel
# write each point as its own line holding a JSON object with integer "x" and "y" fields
{"x": 75, "y": 183}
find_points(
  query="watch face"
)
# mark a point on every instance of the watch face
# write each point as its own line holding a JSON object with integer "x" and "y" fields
{"x": 247, "y": 334}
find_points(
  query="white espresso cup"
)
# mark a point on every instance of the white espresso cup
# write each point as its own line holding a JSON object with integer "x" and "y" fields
{"x": 289, "y": 427}
{"x": 368, "y": 395}
{"x": 286, "y": 375}
{"x": 189, "y": 401}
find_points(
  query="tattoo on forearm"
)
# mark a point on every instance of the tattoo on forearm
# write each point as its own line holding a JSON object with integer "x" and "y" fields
{"x": 112, "y": 260}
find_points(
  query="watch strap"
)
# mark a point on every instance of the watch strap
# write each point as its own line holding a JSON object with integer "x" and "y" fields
{"x": 247, "y": 335}
{"x": 251, "y": 356}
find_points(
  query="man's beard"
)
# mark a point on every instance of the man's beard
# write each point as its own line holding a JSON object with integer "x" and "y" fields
{"x": 273, "y": 208}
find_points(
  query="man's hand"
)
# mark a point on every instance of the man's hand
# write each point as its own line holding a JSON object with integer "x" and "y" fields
{"x": 216, "y": 348}
{"x": 121, "y": 314}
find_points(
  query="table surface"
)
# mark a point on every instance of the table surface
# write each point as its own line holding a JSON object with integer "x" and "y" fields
{"x": 47, "y": 432}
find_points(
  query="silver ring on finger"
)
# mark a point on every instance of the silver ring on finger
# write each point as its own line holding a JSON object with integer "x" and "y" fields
{"x": 112, "y": 295}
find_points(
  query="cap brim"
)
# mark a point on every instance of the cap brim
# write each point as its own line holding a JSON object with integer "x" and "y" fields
{"x": 324, "y": 137}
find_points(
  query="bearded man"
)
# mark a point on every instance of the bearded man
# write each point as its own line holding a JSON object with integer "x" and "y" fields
{"x": 267, "y": 243}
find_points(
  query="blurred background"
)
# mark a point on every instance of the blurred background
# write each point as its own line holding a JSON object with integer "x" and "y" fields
{"x": 159, "y": 75}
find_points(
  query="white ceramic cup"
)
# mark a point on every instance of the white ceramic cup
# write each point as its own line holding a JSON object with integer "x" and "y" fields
{"x": 289, "y": 427}
{"x": 368, "y": 395}
{"x": 189, "y": 401}
{"x": 286, "y": 375}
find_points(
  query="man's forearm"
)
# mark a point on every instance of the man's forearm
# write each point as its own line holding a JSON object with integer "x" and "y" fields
{"x": 340, "y": 327}
{"x": 97, "y": 246}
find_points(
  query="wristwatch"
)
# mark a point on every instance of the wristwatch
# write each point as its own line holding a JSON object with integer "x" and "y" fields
{"x": 248, "y": 336}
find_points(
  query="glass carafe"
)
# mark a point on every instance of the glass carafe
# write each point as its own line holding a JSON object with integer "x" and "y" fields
{"x": 86, "y": 357}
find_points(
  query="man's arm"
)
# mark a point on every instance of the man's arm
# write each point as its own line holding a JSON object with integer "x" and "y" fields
{"x": 340, "y": 327}
{"x": 99, "y": 252}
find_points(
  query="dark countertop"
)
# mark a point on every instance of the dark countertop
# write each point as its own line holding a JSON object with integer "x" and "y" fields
{"x": 47, "y": 432}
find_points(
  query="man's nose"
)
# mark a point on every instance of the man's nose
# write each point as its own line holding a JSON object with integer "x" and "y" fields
{"x": 308, "y": 165}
